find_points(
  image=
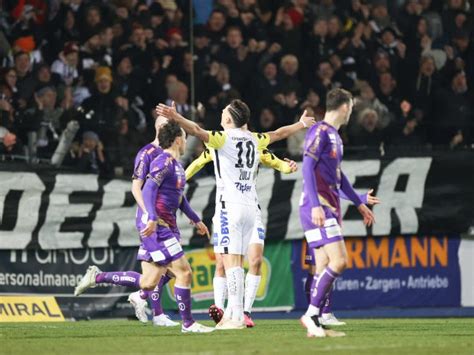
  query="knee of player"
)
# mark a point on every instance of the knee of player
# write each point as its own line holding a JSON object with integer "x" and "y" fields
{"x": 220, "y": 270}
{"x": 339, "y": 264}
{"x": 185, "y": 276}
{"x": 255, "y": 263}
{"x": 147, "y": 285}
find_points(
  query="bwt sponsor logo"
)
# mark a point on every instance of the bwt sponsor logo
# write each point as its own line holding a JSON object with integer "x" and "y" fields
{"x": 99, "y": 256}
{"x": 224, "y": 222}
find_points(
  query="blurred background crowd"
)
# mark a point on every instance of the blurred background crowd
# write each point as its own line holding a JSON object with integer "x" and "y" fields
{"x": 79, "y": 79}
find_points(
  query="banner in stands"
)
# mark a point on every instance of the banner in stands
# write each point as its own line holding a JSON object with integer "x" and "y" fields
{"x": 61, "y": 210}
{"x": 57, "y": 272}
{"x": 404, "y": 271}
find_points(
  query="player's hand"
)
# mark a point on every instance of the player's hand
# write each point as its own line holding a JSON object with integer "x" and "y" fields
{"x": 202, "y": 229}
{"x": 167, "y": 111}
{"x": 367, "y": 214}
{"x": 149, "y": 229}
{"x": 371, "y": 199}
{"x": 292, "y": 164}
{"x": 318, "y": 216}
{"x": 306, "y": 120}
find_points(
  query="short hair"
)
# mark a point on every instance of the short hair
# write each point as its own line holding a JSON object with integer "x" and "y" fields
{"x": 168, "y": 133}
{"x": 240, "y": 112}
{"x": 335, "y": 98}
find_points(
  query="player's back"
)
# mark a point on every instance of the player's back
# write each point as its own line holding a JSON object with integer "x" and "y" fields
{"x": 235, "y": 165}
{"x": 169, "y": 174}
{"x": 143, "y": 160}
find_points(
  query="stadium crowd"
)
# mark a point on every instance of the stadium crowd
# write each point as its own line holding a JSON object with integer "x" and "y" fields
{"x": 104, "y": 65}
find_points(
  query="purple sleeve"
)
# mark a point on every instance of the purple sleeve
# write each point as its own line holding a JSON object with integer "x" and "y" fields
{"x": 142, "y": 166}
{"x": 349, "y": 191}
{"x": 150, "y": 193}
{"x": 310, "y": 187}
{"x": 363, "y": 197}
{"x": 188, "y": 211}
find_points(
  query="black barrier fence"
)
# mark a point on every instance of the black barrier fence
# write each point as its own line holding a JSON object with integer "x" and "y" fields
{"x": 47, "y": 208}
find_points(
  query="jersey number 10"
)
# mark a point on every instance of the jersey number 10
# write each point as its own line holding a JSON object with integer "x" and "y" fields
{"x": 250, "y": 154}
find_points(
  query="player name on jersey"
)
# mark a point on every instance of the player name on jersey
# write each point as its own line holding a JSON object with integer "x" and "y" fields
{"x": 30, "y": 309}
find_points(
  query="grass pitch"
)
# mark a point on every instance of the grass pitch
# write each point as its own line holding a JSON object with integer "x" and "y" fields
{"x": 378, "y": 336}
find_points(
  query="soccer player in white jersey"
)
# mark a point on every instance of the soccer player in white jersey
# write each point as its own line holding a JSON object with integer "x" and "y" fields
{"x": 236, "y": 157}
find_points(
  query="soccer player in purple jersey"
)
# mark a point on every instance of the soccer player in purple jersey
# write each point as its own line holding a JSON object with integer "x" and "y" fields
{"x": 95, "y": 276}
{"x": 320, "y": 211}
{"x": 162, "y": 196}
{"x": 317, "y": 266}
{"x": 141, "y": 169}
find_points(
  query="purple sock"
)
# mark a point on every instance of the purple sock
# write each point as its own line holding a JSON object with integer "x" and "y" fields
{"x": 155, "y": 295}
{"x": 327, "y": 302}
{"x": 183, "y": 299}
{"x": 144, "y": 294}
{"x": 122, "y": 278}
{"x": 307, "y": 286}
{"x": 323, "y": 285}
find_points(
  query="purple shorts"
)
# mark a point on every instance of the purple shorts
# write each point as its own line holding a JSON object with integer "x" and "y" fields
{"x": 310, "y": 258}
{"x": 315, "y": 236}
{"x": 162, "y": 247}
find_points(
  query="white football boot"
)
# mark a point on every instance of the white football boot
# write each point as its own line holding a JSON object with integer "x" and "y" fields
{"x": 139, "y": 304}
{"x": 87, "y": 281}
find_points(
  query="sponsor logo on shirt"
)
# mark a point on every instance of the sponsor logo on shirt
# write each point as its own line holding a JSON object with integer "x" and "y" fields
{"x": 243, "y": 187}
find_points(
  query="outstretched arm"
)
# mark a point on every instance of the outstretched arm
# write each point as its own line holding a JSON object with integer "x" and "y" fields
{"x": 198, "y": 163}
{"x": 366, "y": 213}
{"x": 286, "y": 131}
{"x": 367, "y": 198}
{"x": 349, "y": 191}
{"x": 189, "y": 126}
{"x": 195, "y": 220}
{"x": 270, "y": 160}
{"x": 188, "y": 211}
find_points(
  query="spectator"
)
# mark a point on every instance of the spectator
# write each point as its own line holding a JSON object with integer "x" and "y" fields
{"x": 288, "y": 79}
{"x": 454, "y": 113}
{"x": 90, "y": 156}
{"x": 66, "y": 65}
{"x": 25, "y": 81}
{"x": 367, "y": 129}
{"x": 8, "y": 143}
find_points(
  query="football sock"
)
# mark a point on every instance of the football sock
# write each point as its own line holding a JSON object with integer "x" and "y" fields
{"x": 183, "y": 299}
{"x": 220, "y": 291}
{"x": 122, "y": 278}
{"x": 252, "y": 282}
{"x": 323, "y": 285}
{"x": 155, "y": 295}
{"x": 235, "y": 288}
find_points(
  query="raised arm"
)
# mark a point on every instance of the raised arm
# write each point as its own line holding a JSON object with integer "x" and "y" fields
{"x": 286, "y": 131}
{"x": 198, "y": 163}
{"x": 189, "y": 126}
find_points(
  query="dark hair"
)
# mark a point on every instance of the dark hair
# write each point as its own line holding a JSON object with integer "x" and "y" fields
{"x": 168, "y": 133}
{"x": 240, "y": 112}
{"x": 336, "y": 98}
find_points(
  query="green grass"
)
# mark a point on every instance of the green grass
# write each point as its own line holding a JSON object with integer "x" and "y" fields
{"x": 378, "y": 336}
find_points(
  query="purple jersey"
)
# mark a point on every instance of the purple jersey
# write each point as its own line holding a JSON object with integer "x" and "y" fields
{"x": 168, "y": 174}
{"x": 324, "y": 145}
{"x": 143, "y": 159}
